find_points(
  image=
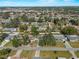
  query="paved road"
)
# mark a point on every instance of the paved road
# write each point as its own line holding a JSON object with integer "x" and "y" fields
{"x": 67, "y": 45}
{"x": 42, "y": 48}
{"x": 18, "y": 53}
{"x": 37, "y": 53}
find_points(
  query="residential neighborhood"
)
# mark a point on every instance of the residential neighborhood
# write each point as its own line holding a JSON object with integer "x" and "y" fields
{"x": 39, "y": 33}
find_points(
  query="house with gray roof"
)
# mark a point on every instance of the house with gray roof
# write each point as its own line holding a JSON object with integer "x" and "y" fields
{"x": 72, "y": 37}
{"x": 10, "y": 29}
{"x": 60, "y": 37}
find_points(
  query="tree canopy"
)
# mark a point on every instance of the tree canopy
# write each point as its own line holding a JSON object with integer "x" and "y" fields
{"x": 47, "y": 40}
{"x": 69, "y": 31}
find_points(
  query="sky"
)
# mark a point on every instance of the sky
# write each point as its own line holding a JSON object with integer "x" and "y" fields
{"x": 39, "y": 2}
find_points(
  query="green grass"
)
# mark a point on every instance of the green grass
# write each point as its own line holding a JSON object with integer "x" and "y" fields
{"x": 77, "y": 53}
{"x": 12, "y": 53}
{"x": 27, "y": 54}
{"x": 53, "y": 54}
{"x": 9, "y": 44}
{"x": 58, "y": 45}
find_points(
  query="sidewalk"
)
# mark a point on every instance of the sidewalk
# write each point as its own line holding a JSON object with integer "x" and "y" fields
{"x": 37, "y": 53}
{"x": 67, "y": 45}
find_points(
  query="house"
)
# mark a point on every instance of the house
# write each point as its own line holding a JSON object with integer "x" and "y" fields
{"x": 9, "y": 37}
{"x": 59, "y": 37}
{"x": 10, "y": 29}
{"x": 72, "y": 37}
{"x": 5, "y": 21}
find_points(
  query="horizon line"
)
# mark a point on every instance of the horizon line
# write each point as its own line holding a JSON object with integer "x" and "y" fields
{"x": 42, "y": 6}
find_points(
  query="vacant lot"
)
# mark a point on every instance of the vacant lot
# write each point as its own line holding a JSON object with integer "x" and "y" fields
{"x": 54, "y": 54}
{"x": 77, "y": 53}
{"x": 27, "y": 54}
{"x": 12, "y": 53}
{"x": 58, "y": 45}
{"x": 9, "y": 44}
{"x": 75, "y": 44}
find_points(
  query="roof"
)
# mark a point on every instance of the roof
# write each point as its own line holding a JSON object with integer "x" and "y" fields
{"x": 10, "y": 29}
{"x": 9, "y": 37}
{"x": 60, "y": 37}
{"x": 73, "y": 37}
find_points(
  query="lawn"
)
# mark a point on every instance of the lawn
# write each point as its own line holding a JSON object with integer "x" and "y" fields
{"x": 4, "y": 53}
{"x": 9, "y": 44}
{"x": 77, "y": 53}
{"x": 12, "y": 53}
{"x": 27, "y": 54}
{"x": 34, "y": 43}
{"x": 58, "y": 45}
{"x": 74, "y": 44}
{"x": 53, "y": 54}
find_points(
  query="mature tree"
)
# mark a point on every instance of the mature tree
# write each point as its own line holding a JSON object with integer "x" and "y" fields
{"x": 15, "y": 22}
{"x": 26, "y": 39}
{"x": 74, "y": 22}
{"x": 23, "y": 18}
{"x": 56, "y": 20}
{"x": 4, "y": 53}
{"x": 47, "y": 40}
{"x": 69, "y": 31}
{"x": 16, "y": 42}
{"x": 34, "y": 30}
{"x": 78, "y": 22}
{"x": 40, "y": 20}
{"x": 3, "y": 36}
{"x": 31, "y": 19}
{"x": 48, "y": 19}
{"x": 23, "y": 28}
